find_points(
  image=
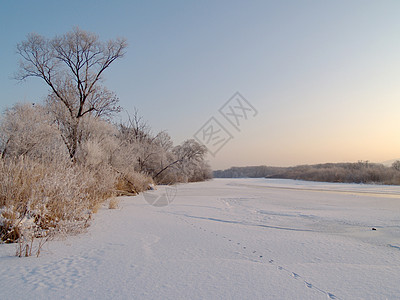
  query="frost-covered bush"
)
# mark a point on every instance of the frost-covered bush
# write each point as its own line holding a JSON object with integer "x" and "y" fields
{"x": 50, "y": 196}
{"x": 132, "y": 183}
{"x": 28, "y": 130}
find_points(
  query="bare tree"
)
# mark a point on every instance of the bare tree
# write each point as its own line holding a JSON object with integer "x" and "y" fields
{"x": 72, "y": 66}
{"x": 135, "y": 129}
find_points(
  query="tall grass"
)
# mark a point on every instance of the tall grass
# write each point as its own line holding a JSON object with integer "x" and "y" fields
{"x": 48, "y": 196}
{"x": 53, "y": 197}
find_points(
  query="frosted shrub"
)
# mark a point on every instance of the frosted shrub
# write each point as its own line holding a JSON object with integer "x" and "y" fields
{"x": 28, "y": 130}
{"x": 52, "y": 197}
{"x": 113, "y": 203}
{"x": 93, "y": 154}
{"x": 132, "y": 183}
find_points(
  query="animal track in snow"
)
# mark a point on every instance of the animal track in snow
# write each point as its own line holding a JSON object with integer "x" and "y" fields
{"x": 295, "y": 276}
{"x": 58, "y": 274}
{"x": 309, "y": 285}
{"x": 271, "y": 261}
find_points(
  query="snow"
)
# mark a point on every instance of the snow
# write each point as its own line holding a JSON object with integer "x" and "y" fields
{"x": 225, "y": 239}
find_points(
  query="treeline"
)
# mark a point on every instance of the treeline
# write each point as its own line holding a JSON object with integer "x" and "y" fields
{"x": 63, "y": 158}
{"x": 360, "y": 172}
{"x": 248, "y": 172}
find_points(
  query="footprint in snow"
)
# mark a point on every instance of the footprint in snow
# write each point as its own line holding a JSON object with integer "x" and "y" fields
{"x": 309, "y": 285}
{"x": 296, "y": 276}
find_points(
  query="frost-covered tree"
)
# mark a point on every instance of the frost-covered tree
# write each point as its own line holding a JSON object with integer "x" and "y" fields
{"x": 396, "y": 165}
{"x": 150, "y": 150}
{"x": 27, "y": 130}
{"x": 156, "y": 156}
{"x": 186, "y": 157}
{"x": 72, "y": 65}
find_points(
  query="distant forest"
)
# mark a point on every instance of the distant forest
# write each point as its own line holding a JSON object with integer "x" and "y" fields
{"x": 359, "y": 172}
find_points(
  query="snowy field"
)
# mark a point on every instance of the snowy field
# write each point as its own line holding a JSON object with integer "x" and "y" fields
{"x": 225, "y": 239}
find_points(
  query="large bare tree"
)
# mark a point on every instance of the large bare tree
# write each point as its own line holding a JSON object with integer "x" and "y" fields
{"x": 72, "y": 66}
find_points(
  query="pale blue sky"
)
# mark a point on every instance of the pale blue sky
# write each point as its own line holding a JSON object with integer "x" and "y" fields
{"x": 323, "y": 75}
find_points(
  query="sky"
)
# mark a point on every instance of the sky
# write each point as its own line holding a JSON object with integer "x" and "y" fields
{"x": 322, "y": 77}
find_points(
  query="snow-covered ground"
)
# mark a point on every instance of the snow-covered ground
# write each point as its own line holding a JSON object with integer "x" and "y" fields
{"x": 225, "y": 239}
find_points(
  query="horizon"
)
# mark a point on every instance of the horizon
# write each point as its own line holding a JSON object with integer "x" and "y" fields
{"x": 322, "y": 77}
